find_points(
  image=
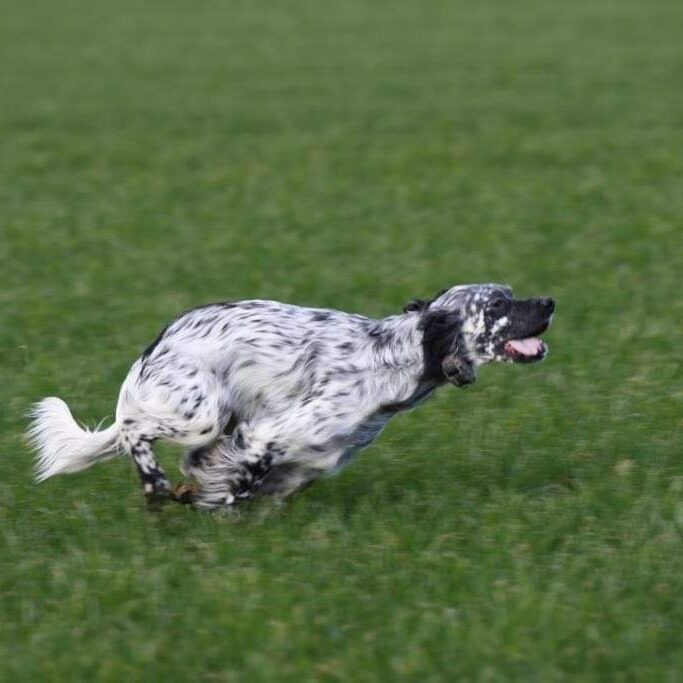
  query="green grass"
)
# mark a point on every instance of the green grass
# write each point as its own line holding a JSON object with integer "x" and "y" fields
{"x": 155, "y": 156}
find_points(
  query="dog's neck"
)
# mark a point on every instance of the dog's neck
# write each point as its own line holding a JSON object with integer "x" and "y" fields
{"x": 396, "y": 348}
{"x": 396, "y": 343}
{"x": 426, "y": 346}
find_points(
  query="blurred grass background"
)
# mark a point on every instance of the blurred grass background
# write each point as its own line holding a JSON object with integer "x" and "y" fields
{"x": 355, "y": 155}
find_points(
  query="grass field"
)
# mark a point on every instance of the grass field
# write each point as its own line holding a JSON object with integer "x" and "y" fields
{"x": 354, "y": 155}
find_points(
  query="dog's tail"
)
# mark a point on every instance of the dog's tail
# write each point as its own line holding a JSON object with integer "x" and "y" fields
{"x": 61, "y": 445}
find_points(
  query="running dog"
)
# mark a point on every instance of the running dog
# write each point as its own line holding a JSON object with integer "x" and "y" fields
{"x": 269, "y": 396}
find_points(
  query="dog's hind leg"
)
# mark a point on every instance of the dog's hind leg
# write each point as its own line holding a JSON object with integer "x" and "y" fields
{"x": 155, "y": 484}
{"x": 178, "y": 404}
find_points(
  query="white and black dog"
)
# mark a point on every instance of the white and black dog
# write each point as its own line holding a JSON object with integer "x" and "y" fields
{"x": 271, "y": 396}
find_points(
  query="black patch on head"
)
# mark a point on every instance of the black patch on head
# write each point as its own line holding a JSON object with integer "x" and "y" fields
{"x": 529, "y": 317}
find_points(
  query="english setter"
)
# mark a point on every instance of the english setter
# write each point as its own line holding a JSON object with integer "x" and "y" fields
{"x": 270, "y": 396}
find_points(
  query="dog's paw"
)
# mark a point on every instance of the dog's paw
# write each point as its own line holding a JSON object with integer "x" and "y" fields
{"x": 184, "y": 493}
{"x": 157, "y": 493}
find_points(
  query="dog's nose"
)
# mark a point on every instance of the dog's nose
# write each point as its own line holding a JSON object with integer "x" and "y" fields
{"x": 548, "y": 305}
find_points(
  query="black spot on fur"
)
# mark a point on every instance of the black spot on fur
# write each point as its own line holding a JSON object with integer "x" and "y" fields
{"x": 221, "y": 304}
{"x": 380, "y": 335}
{"x": 197, "y": 457}
{"x": 239, "y": 439}
{"x": 320, "y": 316}
{"x": 148, "y": 351}
{"x": 232, "y": 424}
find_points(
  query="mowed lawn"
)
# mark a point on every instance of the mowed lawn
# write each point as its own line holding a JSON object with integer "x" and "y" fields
{"x": 156, "y": 156}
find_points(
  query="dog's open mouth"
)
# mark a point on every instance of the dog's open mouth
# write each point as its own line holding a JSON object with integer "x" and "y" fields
{"x": 525, "y": 350}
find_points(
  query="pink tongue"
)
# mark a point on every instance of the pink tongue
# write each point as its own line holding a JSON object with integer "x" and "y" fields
{"x": 527, "y": 347}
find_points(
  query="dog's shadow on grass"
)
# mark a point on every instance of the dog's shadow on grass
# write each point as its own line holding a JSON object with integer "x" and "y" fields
{"x": 376, "y": 488}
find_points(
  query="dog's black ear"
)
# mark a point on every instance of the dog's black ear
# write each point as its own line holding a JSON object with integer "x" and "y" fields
{"x": 444, "y": 352}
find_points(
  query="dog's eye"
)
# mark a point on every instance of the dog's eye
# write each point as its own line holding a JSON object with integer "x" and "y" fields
{"x": 498, "y": 306}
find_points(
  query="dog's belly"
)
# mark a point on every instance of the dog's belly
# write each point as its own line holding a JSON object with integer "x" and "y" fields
{"x": 370, "y": 429}
{"x": 301, "y": 467}
{"x": 341, "y": 445}
{"x": 361, "y": 437}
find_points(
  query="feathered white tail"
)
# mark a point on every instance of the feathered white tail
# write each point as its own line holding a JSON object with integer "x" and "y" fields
{"x": 61, "y": 445}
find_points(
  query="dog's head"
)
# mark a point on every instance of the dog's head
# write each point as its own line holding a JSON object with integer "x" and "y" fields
{"x": 470, "y": 325}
